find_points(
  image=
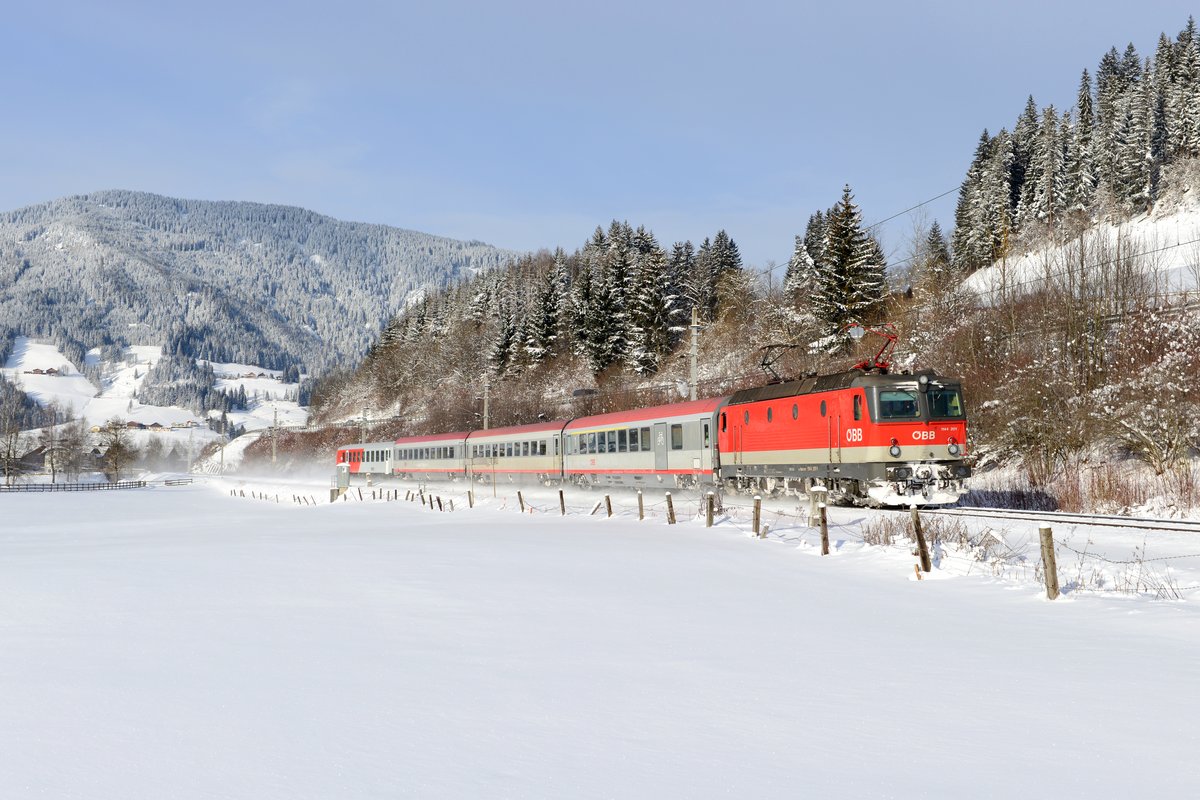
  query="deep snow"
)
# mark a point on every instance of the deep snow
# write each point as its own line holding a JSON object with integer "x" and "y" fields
{"x": 179, "y": 642}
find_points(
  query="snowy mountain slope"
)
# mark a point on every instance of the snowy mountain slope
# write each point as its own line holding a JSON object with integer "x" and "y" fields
{"x": 261, "y": 284}
{"x": 245, "y": 649}
{"x": 115, "y": 398}
{"x": 1165, "y": 244}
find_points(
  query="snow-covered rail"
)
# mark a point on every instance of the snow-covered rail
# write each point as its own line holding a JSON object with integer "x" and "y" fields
{"x": 1104, "y": 520}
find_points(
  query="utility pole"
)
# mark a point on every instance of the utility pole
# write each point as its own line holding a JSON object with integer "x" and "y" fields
{"x": 485, "y": 402}
{"x": 274, "y": 429}
{"x": 695, "y": 326}
{"x": 363, "y": 428}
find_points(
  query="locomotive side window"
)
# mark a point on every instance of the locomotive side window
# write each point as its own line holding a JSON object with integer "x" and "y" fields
{"x": 746, "y": 417}
{"x": 945, "y": 403}
{"x": 898, "y": 404}
{"x": 795, "y": 411}
{"x": 706, "y": 436}
{"x": 769, "y": 414}
{"x": 724, "y": 424}
{"x": 858, "y": 406}
{"x": 676, "y": 437}
{"x": 822, "y": 408}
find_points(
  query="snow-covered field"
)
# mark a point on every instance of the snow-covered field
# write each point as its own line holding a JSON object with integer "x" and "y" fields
{"x": 180, "y": 642}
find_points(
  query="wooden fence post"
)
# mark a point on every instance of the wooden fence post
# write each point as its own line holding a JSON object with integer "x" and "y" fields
{"x": 922, "y": 547}
{"x": 708, "y": 510}
{"x": 670, "y": 510}
{"x": 757, "y": 515}
{"x": 440, "y": 504}
{"x": 562, "y": 503}
{"x": 824, "y": 522}
{"x": 470, "y": 498}
{"x": 521, "y": 500}
{"x": 765, "y": 528}
{"x": 641, "y": 506}
{"x": 1049, "y": 562}
{"x": 608, "y": 504}
{"x": 451, "y": 505}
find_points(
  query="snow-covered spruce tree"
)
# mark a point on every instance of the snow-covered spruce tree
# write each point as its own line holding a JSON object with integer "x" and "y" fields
{"x": 654, "y": 323}
{"x": 1183, "y": 101}
{"x": 801, "y": 273}
{"x": 1045, "y": 179}
{"x": 680, "y": 266}
{"x": 850, "y": 284}
{"x": 1081, "y": 176}
{"x": 726, "y": 264}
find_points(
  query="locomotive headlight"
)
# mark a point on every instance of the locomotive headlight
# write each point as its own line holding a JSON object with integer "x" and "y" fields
{"x": 894, "y": 450}
{"x": 954, "y": 448}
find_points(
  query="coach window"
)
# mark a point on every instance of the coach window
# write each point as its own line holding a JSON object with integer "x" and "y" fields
{"x": 633, "y": 440}
{"x": 612, "y": 441}
{"x": 591, "y": 442}
{"x": 622, "y": 440}
{"x": 676, "y": 437}
{"x": 646, "y": 443}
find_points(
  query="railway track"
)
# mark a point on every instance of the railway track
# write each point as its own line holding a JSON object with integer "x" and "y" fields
{"x": 1065, "y": 518}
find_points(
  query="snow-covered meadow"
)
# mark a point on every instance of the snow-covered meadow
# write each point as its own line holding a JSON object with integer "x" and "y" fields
{"x": 183, "y": 642}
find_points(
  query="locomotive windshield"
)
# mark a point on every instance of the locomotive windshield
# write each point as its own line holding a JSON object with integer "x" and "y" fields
{"x": 945, "y": 403}
{"x": 898, "y": 404}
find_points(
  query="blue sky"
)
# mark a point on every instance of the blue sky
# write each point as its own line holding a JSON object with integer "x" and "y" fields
{"x": 527, "y": 124}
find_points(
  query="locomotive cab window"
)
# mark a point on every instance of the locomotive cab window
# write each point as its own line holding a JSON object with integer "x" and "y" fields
{"x": 898, "y": 404}
{"x": 858, "y": 406}
{"x": 945, "y": 403}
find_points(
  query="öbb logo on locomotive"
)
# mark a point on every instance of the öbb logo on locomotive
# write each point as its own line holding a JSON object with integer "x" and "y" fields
{"x": 869, "y": 436}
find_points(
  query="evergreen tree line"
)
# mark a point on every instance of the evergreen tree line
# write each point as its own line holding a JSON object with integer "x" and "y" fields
{"x": 622, "y": 300}
{"x": 178, "y": 380}
{"x": 1104, "y": 154}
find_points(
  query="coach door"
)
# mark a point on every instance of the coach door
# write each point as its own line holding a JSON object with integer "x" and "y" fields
{"x": 706, "y": 443}
{"x": 660, "y": 446}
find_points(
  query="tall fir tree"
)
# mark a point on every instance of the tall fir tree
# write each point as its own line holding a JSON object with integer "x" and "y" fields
{"x": 850, "y": 284}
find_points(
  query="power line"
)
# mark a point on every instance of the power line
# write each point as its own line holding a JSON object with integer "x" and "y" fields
{"x": 877, "y": 224}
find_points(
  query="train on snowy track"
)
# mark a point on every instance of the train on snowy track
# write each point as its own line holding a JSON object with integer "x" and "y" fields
{"x": 870, "y": 437}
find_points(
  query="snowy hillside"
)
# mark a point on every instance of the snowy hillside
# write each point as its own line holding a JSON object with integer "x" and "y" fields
{"x": 1164, "y": 244}
{"x": 210, "y": 645}
{"x": 115, "y": 397}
